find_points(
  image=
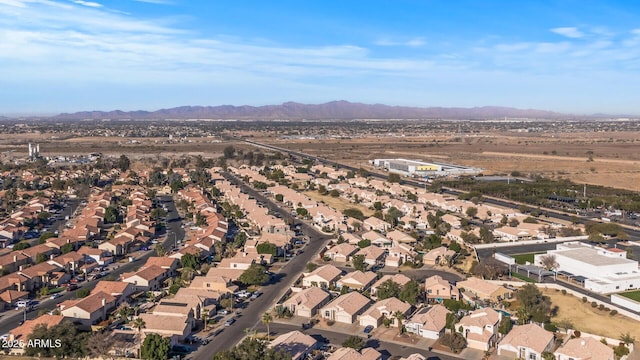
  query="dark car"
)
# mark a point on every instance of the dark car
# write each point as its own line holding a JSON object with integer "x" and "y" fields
{"x": 368, "y": 329}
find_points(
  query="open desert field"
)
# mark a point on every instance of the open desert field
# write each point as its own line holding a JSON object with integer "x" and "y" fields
{"x": 591, "y": 320}
{"x": 608, "y": 159}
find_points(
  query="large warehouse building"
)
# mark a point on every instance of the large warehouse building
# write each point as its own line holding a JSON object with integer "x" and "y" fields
{"x": 601, "y": 270}
{"x": 421, "y": 168}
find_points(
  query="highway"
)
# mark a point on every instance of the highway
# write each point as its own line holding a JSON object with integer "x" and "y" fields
{"x": 11, "y": 318}
{"x": 251, "y": 315}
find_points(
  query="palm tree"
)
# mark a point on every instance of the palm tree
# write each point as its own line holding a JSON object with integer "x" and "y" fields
{"x": 627, "y": 338}
{"x": 138, "y": 323}
{"x": 205, "y": 318}
{"x": 267, "y": 319}
{"x": 399, "y": 317}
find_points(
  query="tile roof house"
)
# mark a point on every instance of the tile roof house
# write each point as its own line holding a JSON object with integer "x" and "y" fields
{"x": 324, "y": 277}
{"x": 440, "y": 289}
{"x": 372, "y": 255}
{"x": 296, "y": 343}
{"x": 584, "y": 348}
{"x": 38, "y": 275}
{"x": 145, "y": 279}
{"x": 307, "y": 302}
{"x": 438, "y": 256}
{"x": 399, "y": 279}
{"x": 398, "y": 237}
{"x": 177, "y": 327}
{"x": 170, "y": 265}
{"x": 377, "y": 239}
{"x": 477, "y": 288}
{"x": 399, "y": 254}
{"x": 9, "y": 298}
{"x": 118, "y": 289}
{"x": 373, "y": 223}
{"x": 386, "y": 308}
{"x": 89, "y": 310}
{"x": 357, "y": 280}
{"x": 22, "y": 332}
{"x": 526, "y": 342}
{"x": 480, "y": 328}
{"x": 12, "y": 261}
{"x": 347, "y": 353}
{"x": 345, "y": 308}
{"x": 341, "y": 252}
{"x": 429, "y": 322}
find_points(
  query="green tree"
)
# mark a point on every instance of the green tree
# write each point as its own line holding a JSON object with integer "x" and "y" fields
{"x": 302, "y": 212}
{"x": 21, "y": 245}
{"x": 82, "y": 293}
{"x": 393, "y": 215}
{"x": 73, "y": 344}
{"x": 358, "y": 262}
{"x": 334, "y": 193}
{"x": 393, "y": 178}
{"x": 364, "y": 243}
{"x": 155, "y": 347}
{"x": 535, "y": 305}
{"x": 229, "y": 152}
{"x": 138, "y": 323}
{"x": 267, "y": 319}
{"x": 123, "y": 163}
{"x": 354, "y": 213}
{"x": 267, "y": 248}
{"x": 455, "y": 341}
{"x": 190, "y": 261}
{"x": 354, "y": 342}
{"x": 471, "y": 211}
{"x": 160, "y": 251}
{"x": 410, "y": 292}
{"x": 254, "y": 275}
{"x": 111, "y": 215}
{"x": 311, "y": 266}
{"x": 240, "y": 239}
{"x": 388, "y": 289}
{"x": 505, "y": 325}
{"x": 66, "y": 248}
{"x": 44, "y": 236}
{"x": 279, "y": 197}
{"x": 40, "y": 258}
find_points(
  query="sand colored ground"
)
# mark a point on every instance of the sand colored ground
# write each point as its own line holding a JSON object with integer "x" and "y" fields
{"x": 615, "y": 156}
{"x": 591, "y": 320}
{"x": 338, "y": 203}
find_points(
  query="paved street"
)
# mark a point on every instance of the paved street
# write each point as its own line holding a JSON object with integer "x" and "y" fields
{"x": 251, "y": 315}
{"x": 10, "y": 319}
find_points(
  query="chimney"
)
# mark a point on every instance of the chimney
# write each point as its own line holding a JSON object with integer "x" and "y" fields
{"x": 104, "y": 302}
{"x": 583, "y": 343}
{"x": 15, "y": 258}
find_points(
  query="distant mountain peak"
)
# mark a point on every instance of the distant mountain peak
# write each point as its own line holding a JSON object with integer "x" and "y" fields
{"x": 338, "y": 110}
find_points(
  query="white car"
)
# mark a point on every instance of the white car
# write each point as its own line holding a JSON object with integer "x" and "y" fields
{"x": 55, "y": 296}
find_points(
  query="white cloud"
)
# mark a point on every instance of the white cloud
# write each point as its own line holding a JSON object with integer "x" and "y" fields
{"x": 415, "y": 42}
{"x": 88, "y": 3}
{"x": 570, "y": 32}
{"x": 158, "y": 2}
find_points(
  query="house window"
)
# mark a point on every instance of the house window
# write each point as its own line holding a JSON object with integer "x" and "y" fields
{"x": 327, "y": 314}
{"x": 533, "y": 356}
{"x": 208, "y": 285}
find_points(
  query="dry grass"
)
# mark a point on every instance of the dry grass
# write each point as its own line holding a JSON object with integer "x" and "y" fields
{"x": 338, "y": 203}
{"x": 615, "y": 163}
{"x": 591, "y": 320}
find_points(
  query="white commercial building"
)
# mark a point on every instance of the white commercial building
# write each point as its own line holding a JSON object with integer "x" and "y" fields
{"x": 421, "y": 168}
{"x": 603, "y": 270}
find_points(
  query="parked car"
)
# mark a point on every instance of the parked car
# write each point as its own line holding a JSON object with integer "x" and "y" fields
{"x": 55, "y": 296}
{"x": 229, "y": 322}
{"x": 368, "y": 329}
{"x": 255, "y": 295}
{"x": 223, "y": 312}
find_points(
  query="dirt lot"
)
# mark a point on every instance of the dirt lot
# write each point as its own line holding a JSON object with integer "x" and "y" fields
{"x": 609, "y": 159}
{"x": 590, "y": 320}
{"x": 338, "y": 203}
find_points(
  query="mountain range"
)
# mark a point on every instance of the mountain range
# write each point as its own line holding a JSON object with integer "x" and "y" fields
{"x": 334, "y": 110}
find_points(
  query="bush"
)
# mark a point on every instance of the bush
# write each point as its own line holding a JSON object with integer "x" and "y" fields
{"x": 584, "y": 299}
{"x": 601, "y": 307}
{"x": 594, "y": 304}
{"x": 550, "y": 327}
{"x": 564, "y": 292}
{"x": 330, "y": 322}
{"x": 613, "y": 312}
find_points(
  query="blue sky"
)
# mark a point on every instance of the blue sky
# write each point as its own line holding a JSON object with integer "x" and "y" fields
{"x": 580, "y": 57}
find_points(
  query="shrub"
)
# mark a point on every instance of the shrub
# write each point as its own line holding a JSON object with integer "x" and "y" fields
{"x": 594, "y": 304}
{"x": 601, "y": 307}
{"x": 550, "y": 327}
{"x": 584, "y": 299}
{"x": 330, "y": 322}
{"x": 613, "y": 312}
{"x": 564, "y": 292}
